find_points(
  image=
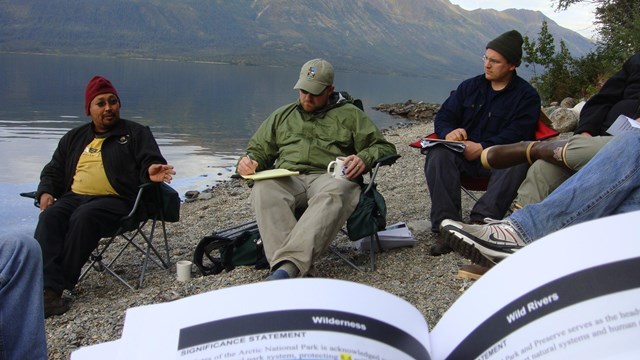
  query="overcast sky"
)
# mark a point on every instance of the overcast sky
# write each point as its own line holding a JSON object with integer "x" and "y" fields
{"x": 578, "y": 17}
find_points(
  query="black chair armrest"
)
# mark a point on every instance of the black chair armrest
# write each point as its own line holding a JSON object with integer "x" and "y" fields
{"x": 386, "y": 160}
{"x": 383, "y": 161}
{"x": 31, "y": 195}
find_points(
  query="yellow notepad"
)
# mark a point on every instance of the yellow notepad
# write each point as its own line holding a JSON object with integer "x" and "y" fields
{"x": 271, "y": 174}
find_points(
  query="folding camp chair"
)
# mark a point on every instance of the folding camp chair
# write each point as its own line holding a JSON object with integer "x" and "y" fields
{"x": 469, "y": 184}
{"x": 155, "y": 204}
{"x": 371, "y": 209}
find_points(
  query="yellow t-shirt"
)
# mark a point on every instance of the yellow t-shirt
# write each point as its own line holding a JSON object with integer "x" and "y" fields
{"x": 90, "y": 177}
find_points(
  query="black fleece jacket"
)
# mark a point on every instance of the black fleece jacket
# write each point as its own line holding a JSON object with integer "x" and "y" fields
{"x": 620, "y": 95}
{"x": 128, "y": 151}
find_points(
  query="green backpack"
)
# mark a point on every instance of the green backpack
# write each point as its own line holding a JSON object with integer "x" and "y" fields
{"x": 370, "y": 215}
{"x": 226, "y": 249}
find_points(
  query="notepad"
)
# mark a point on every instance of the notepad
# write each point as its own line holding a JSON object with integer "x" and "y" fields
{"x": 271, "y": 174}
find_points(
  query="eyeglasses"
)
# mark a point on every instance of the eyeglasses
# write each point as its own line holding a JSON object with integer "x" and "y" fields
{"x": 490, "y": 60}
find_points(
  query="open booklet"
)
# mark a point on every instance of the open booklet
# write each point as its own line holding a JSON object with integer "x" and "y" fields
{"x": 428, "y": 142}
{"x": 571, "y": 295}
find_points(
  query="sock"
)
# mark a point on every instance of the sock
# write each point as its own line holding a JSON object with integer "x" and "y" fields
{"x": 290, "y": 268}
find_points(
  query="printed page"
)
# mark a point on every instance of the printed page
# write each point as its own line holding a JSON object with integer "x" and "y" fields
{"x": 271, "y": 174}
{"x": 290, "y": 319}
{"x": 622, "y": 124}
{"x": 102, "y": 351}
{"x": 572, "y": 294}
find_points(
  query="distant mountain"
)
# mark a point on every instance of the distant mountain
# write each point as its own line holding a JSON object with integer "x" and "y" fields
{"x": 430, "y": 38}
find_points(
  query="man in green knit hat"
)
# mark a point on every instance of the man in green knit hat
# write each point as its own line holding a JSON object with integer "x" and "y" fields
{"x": 494, "y": 108}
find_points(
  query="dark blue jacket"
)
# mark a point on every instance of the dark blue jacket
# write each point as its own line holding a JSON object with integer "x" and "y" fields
{"x": 127, "y": 153}
{"x": 490, "y": 117}
{"x": 620, "y": 95}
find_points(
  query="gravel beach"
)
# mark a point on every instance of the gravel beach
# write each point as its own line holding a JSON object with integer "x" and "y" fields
{"x": 99, "y": 302}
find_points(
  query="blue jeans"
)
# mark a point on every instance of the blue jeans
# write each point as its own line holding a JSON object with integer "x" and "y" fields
{"x": 22, "y": 333}
{"x": 608, "y": 184}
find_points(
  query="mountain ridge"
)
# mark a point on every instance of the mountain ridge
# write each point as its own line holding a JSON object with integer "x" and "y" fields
{"x": 426, "y": 38}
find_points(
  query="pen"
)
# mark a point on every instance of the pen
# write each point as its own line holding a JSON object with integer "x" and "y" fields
{"x": 250, "y": 159}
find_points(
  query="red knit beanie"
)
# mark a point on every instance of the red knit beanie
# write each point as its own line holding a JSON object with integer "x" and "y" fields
{"x": 98, "y": 85}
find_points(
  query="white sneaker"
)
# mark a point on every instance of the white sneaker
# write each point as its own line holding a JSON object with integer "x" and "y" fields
{"x": 495, "y": 240}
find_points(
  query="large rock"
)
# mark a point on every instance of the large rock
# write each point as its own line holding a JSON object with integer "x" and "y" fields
{"x": 568, "y": 102}
{"x": 564, "y": 119}
{"x": 417, "y": 111}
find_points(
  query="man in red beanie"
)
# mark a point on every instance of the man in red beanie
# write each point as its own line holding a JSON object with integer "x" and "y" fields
{"x": 89, "y": 184}
{"x": 496, "y": 107}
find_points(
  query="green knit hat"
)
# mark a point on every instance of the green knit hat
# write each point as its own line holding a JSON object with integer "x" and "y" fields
{"x": 508, "y": 45}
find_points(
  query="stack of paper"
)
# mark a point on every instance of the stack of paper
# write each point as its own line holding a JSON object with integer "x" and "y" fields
{"x": 396, "y": 235}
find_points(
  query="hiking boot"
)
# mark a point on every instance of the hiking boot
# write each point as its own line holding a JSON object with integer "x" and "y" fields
{"x": 493, "y": 241}
{"x": 441, "y": 247}
{"x": 54, "y": 304}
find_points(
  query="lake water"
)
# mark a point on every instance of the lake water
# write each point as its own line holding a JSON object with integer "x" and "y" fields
{"x": 202, "y": 114}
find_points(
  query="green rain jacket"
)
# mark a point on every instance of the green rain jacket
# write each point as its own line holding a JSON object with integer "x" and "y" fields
{"x": 291, "y": 138}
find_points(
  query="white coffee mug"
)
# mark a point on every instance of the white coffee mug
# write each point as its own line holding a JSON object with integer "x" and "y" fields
{"x": 183, "y": 270}
{"x": 339, "y": 170}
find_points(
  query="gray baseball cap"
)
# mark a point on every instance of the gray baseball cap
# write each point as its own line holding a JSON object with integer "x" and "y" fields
{"x": 315, "y": 76}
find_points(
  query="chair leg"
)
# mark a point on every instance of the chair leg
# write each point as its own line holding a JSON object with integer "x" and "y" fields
{"x": 346, "y": 259}
{"x": 166, "y": 244}
{"x": 125, "y": 282}
{"x": 151, "y": 253}
{"x": 147, "y": 249}
{"x": 471, "y": 195}
{"x": 372, "y": 249}
{"x": 96, "y": 262}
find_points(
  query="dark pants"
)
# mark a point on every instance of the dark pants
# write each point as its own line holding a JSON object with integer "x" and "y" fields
{"x": 69, "y": 230}
{"x": 443, "y": 168}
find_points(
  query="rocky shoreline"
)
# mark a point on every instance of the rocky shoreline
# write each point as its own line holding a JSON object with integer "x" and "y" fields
{"x": 429, "y": 283}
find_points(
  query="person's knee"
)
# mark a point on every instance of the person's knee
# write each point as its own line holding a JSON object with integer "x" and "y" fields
{"x": 348, "y": 192}
{"x": 50, "y": 217}
{"x": 439, "y": 159}
{"x": 580, "y": 149}
{"x": 83, "y": 216}
{"x": 24, "y": 246}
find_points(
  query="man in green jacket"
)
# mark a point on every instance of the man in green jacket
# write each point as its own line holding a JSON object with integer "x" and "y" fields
{"x": 305, "y": 136}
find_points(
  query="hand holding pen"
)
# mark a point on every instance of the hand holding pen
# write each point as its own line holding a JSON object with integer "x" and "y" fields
{"x": 247, "y": 166}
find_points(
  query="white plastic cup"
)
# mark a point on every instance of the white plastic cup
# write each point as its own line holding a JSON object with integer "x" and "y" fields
{"x": 183, "y": 270}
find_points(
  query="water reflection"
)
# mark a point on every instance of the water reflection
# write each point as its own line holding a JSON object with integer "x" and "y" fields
{"x": 202, "y": 114}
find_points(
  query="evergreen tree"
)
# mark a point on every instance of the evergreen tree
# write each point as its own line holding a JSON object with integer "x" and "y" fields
{"x": 539, "y": 53}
